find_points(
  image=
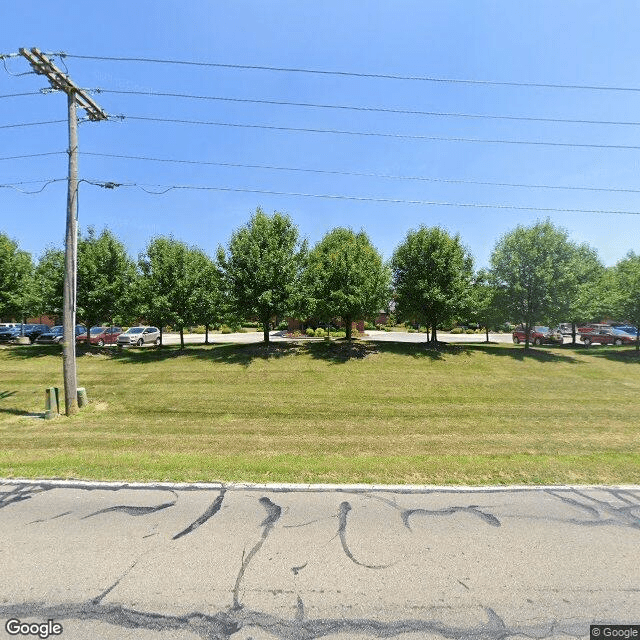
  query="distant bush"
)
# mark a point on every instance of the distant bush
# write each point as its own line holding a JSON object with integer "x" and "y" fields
{"x": 310, "y": 332}
{"x": 320, "y": 332}
{"x": 469, "y": 330}
{"x": 283, "y": 326}
{"x": 369, "y": 326}
{"x": 457, "y": 330}
{"x": 412, "y": 330}
{"x": 226, "y": 329}
{"x": 252, "y": 325}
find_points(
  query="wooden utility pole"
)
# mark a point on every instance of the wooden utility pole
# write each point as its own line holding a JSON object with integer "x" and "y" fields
{"x": 75, "y": 96}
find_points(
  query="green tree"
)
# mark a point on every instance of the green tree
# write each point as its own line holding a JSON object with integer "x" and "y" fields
{"x": 173, "y": 275}
{"x": 626, "y": 275}
{"x": 483, "y": 308}
{"x": 50, "y": 282}
{"x": 18, "y": 297}
{"x": 261, "y": 268}
{"x": 104, "y": 274}
{"x": 432, "y": 276}
{"x": 588, "y": 296}
{"x": 346, "y": 277}
{"x": 531, "y": 269}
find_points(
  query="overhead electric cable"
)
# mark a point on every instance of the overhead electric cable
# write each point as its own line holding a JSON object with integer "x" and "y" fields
{"x": 167, "y": 188}
{"x": 35, "y": 155}
{"x": 444, "y": 114}
{"x": 30, "y": 124}
{"x": 14, "y": 185}
{"x": 403, "y": 136}
{"x": 360, "y": 174}
{"x": 352, "y": 74}
{"x": 18, "y": 95}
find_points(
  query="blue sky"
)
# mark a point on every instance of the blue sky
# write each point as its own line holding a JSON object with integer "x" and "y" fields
{"x": 548, "y": 42}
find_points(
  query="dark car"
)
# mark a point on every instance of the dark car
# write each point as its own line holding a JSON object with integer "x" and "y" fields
{"x": 7, "y": 334}
{"x": 101, "y": 335}
{"x": 55, "y": 334}
{"x": 31, "y": 331}
{"x": 538, "y": 335}
{"x": 607, "y": 336}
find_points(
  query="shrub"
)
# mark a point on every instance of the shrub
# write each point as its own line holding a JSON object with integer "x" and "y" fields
{"x": 226, "y": 329}
{"x": 412, "y": 330}
{"x": 320, "y": 332}
{"x": 310, "y": 332}
{"x": 369, "y": 326}
{"x": 457, "y": 330}
{"x": 469, "y": 331}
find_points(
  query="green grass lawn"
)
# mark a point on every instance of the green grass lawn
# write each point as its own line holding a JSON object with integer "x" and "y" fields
{"x": 322, "y": 412}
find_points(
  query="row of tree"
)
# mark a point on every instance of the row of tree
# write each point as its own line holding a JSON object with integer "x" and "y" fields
{"x": 537, "y": 275}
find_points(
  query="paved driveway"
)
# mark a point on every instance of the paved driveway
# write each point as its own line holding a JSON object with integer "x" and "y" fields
{"x": 196, "y": 561}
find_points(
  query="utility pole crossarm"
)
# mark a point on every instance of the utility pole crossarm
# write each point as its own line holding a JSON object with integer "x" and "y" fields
{"x": 60, "y": 81}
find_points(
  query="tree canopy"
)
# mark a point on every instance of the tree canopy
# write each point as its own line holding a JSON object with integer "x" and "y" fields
{"x": 432, "y": 275}
{"x": 531, "y": 268}
{"x": 18, "y": 295}
{"x": 626, "y": 275}
{"x": 261, "y": 268}
{"x": 346, "y": 277}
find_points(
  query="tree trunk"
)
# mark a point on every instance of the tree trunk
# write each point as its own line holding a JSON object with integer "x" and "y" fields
{"x": 206, "y": 334}
{"x": 161, "y": 334}
{"x": 265, "y": 331}
{"x": 182, "y": 337}
{"x": 526, "y": 335}
{"x": 347, "y": 323}
{"x": 573, "y": 333}
{"x": 487, "y": 333}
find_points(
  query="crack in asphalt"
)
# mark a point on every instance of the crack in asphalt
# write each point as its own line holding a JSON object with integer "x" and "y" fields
{"x": 345, "y": 507}
{"x": 273, "y": 515}
{"x": 600, "y": 509}
{"x": 60, "y": 515}
{"x": 489, "y": 518}
{"x": 224, "y": 624}
{"x": 209, "y": 513}
{"x": 135, "y": 511}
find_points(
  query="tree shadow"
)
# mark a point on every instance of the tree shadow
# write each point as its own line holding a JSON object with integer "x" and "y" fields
{"x": 16, "y": 412}
{"x": 540, "y": 354}
{"x": 626, "y": 355}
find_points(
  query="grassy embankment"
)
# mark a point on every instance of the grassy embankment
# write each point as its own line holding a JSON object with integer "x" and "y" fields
{"x": 383, "y": 413}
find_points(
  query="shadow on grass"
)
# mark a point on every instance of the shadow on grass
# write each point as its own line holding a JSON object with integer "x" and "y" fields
{"x": 334, "y": 351}
{"x": 15, "y": 412}
{"x": 627, "y": 355}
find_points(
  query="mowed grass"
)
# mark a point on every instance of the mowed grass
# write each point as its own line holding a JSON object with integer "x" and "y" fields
{"x": 327, "y": 412}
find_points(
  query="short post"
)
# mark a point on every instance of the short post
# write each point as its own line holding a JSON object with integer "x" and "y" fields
{"x": 51, "y": 403}
{"x": 83, "y": 401}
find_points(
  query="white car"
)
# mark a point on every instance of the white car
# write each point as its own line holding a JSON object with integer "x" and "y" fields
{"x": 139, "y": 336}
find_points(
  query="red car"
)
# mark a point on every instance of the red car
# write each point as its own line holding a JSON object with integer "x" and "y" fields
{"x": 607, "y": 336}
{"x": 101, "y": 335}
{"x": 538, "y": 335}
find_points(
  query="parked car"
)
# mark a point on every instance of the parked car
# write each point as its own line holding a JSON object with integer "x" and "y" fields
{"x": 139, "y": 336}
{"x": 630, "y": 329}
{"x": 55, "y": 334}
{"x": 589, "y": 328}
{"x": 607, "y": 336}
{"x": 31, "y": 331}
{"x": 565, "y": 328}
{"x": 100, "y": 335}
{"x": 8, "y": 334}
{"x": 538, "y": 335}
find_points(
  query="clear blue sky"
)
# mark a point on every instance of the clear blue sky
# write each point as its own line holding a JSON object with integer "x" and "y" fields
{"x": 548, "y": 42}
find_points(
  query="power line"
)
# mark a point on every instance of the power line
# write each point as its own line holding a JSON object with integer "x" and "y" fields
{"x": 14, "y": 185}
{"x": 359, "y": 173}
{"x": 166, "y": 188}
{"x": 30, "y": 124}
{"x": 378, "y": 134}
{"x": 35, "y": 155}
{"x": 315, "y": 105}
{"x": 18, "y": 95}
{"x": 352, "y": 74}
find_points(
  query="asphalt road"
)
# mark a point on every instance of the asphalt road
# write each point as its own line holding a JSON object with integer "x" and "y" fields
{"x": 283, "y": 563}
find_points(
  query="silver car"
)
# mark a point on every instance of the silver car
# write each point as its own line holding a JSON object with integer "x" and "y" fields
{"x": 139, "y": 336}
